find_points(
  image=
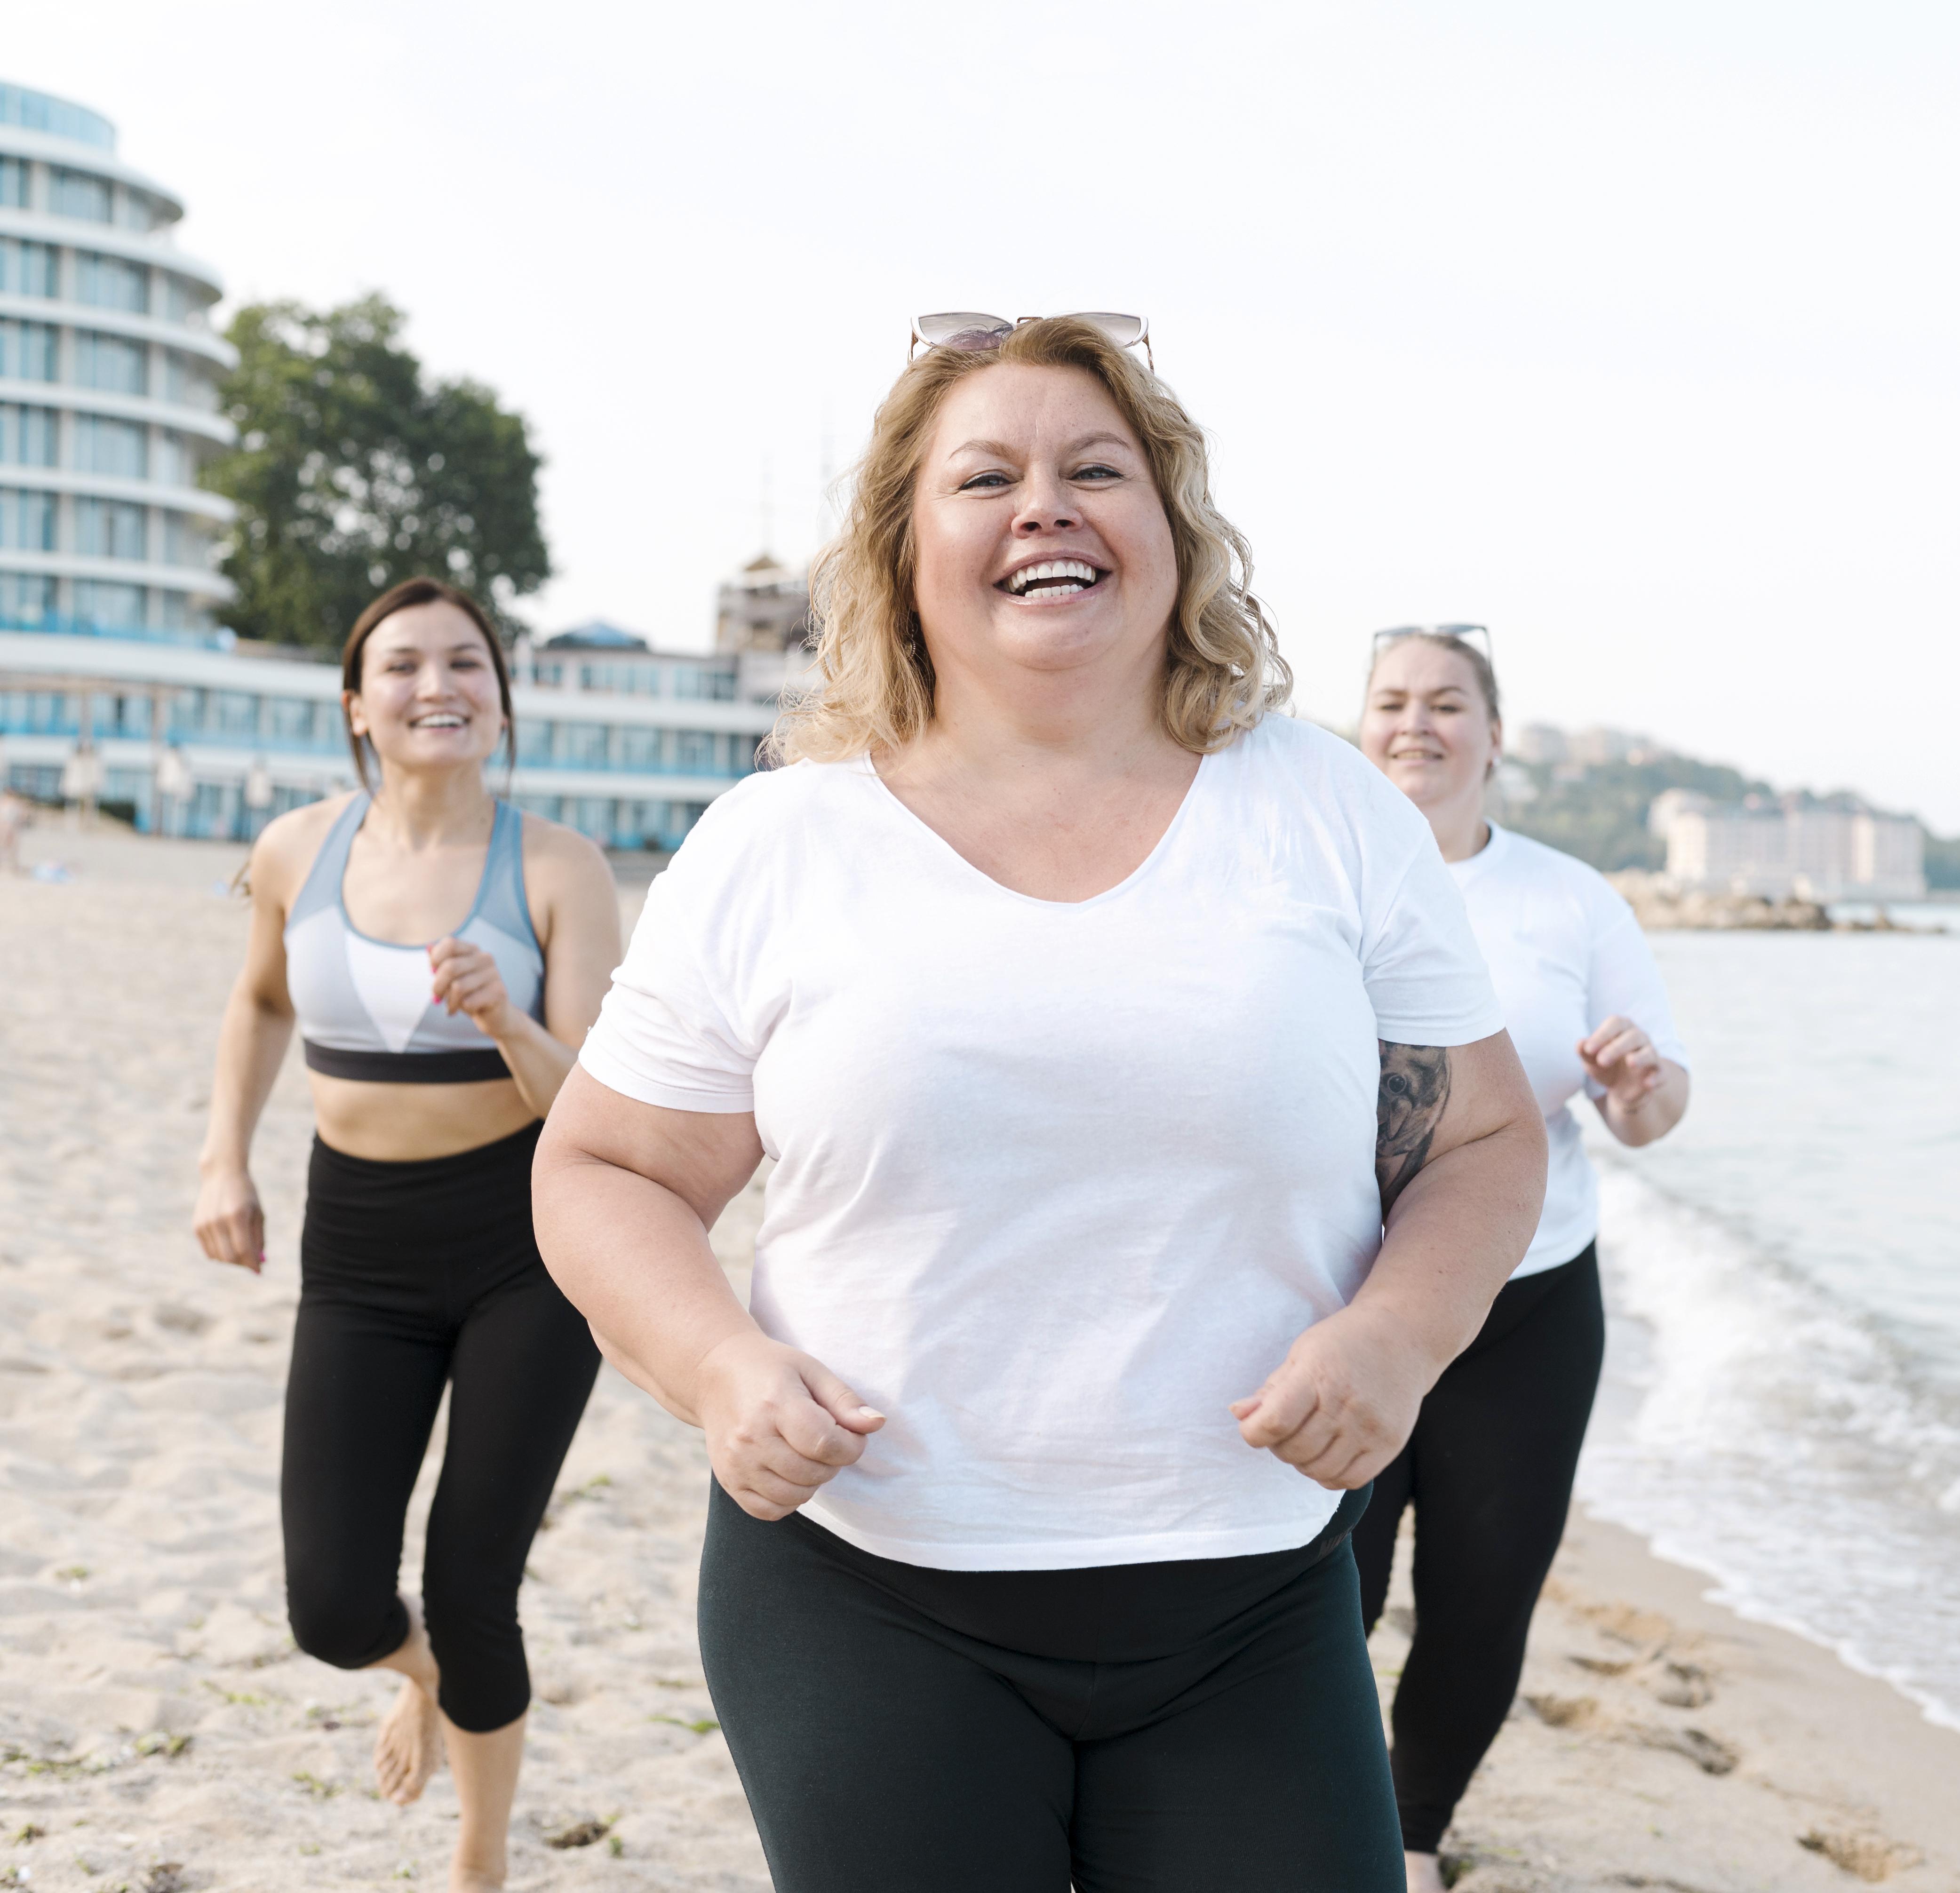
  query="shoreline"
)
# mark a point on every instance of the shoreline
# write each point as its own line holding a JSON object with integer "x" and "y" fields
{"x": 1699, "y": 1748}
{"x": 153, "y": 1709}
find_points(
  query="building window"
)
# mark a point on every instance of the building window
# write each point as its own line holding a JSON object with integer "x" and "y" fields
{"x": 704, "y": 682}
{"x": 109, "y": 607}
{"x": 27, "y": 436}
{"x": 109, "y": 363}
{"x": 580, "y": 745}
{"x": 76, "y": 194}
{"x": 175, "y": 611}
{"x": 28, "y": 269}
{"x": 26, "y": 598}
{"x": 36, "y": 712}
{"x": 230, "y": 713}
{"x": 129, "y": 716}
{"x": 28, "y": 350}
{"x": 188, "y": 382}
{"x": 110, "y": 283}
{"x": 536, "y": 742}
{"x": 13, "y": 183}
{"x": 26, "y": 520}
{"x": 697, "y": 752}
{"x": 185, "y": 302}
{"x": 639, "y": 749}
{"x": 109, "y": 529}
{"x": 136, "y": 210}
{"x": 121, "y": 448}
{"x": 186, "y": 542}
{"x": 208, "y": 818}
{"x": 292, "y": 720}
{"x": 176, "y": 463}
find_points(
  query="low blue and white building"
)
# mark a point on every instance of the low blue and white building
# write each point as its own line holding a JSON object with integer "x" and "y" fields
{"x": 194, "y": 733}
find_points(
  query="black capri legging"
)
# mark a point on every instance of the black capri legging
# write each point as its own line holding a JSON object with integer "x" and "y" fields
{"x": 1489, "y": 1471}
{"x": 1186, "y": 1727}
{"x": 413, "y": 1275}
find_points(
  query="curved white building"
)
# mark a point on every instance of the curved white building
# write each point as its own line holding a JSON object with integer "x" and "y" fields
{"x": 118, "y": 682}
{"x": 109, "y": 377}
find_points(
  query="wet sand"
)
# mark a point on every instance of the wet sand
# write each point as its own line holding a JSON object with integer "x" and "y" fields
{"x": 153, "y": 1709}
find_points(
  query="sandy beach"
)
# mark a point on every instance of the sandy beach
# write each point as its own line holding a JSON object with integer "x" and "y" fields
{"x": 158, "y": 1730}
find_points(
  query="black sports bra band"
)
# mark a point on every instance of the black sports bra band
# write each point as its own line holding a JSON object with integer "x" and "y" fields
{"x": 407, "y": 1067}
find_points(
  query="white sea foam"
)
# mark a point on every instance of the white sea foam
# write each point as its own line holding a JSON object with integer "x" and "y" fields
{"x": 1775, "y": 1437}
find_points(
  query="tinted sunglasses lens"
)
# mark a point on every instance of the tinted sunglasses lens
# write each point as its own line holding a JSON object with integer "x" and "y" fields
{"x": 1125, "y": 331}
{"x": 961, "y": 329}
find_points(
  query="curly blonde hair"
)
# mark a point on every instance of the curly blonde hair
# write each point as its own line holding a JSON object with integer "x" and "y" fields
{"x": 1222, "y": 669}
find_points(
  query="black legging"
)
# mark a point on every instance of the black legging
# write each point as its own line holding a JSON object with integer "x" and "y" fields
{"x": 1489, "y": 1470}
{"x": 1186, "y": 1727}
{"x": 412, "y": 1275}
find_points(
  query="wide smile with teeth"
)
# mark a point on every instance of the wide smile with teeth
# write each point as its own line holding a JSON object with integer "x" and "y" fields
{"x": 1058, "y": 578}
{"x": 440, "y": 720}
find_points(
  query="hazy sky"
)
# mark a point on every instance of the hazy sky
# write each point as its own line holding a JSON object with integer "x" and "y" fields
{"x": 1628, "y": 328}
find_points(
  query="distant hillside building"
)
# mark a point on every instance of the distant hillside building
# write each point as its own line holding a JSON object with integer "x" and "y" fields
{"x": 1791, "y": 847}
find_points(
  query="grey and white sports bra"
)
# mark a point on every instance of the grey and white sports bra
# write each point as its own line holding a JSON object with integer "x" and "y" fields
{"x": 364, "y": 1005}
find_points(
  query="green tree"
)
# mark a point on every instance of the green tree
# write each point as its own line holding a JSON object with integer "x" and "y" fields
{"x": 352, "y": 471}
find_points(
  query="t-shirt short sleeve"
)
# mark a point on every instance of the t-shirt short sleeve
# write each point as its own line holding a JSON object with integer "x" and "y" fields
{"x": 668, "y": 1033}
{"x": 1624, "y": 977}
{"x": 1424, "y": 973}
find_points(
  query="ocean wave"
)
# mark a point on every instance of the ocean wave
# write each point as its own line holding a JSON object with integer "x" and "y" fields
{"x": 1777, "y": 1439}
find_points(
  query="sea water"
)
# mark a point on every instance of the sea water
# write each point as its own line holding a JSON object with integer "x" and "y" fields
{"x": 1781, "y": 1407}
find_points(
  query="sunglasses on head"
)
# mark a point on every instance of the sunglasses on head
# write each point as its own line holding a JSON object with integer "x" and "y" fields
{"x": 1478, "y": 637}
{"x": 962, "y": 328}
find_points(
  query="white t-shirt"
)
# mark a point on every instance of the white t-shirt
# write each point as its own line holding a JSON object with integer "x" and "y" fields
{"x": 1056, "y": 1181}
{"x": 1567, "y": 953}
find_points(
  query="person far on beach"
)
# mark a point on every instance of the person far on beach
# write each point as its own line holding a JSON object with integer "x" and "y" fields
{"x": 444, "y": 956}
{"x": 1095, "y": 1013}
{"x": 1489, "y": 1466}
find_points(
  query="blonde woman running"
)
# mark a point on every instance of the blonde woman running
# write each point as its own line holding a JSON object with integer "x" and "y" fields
{"x": 444, "y": 956}
{"x": 1055, "y": 972}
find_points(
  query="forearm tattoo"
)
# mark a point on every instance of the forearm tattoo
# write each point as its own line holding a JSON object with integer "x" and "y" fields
{"x": 1415, "y": 1089}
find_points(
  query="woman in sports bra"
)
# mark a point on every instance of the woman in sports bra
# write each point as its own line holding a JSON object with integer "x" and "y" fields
{"x": 444, "y": 956}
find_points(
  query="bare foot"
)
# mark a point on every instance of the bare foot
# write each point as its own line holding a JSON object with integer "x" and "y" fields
{"x": 407, "y": 1747}
{"x": 1425, "y": 1872}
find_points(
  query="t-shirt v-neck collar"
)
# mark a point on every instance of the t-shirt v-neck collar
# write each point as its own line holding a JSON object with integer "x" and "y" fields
{"x": 1137, "y": 874}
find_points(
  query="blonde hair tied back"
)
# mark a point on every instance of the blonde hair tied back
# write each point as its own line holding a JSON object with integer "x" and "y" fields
{"x": 874, "y": 691}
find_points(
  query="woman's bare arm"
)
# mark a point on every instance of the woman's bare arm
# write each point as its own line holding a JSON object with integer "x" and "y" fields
{"x": 1460, "y": 1159}
{"x": 1645, "y": 1095}
{"x": 252, "y": 1041}
{"x": 624, "y": 1195}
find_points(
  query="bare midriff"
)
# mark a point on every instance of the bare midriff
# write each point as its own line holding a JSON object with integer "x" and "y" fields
{"x": 412, "y": 1123}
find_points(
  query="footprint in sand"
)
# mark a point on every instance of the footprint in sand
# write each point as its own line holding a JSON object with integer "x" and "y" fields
{"x": 1709, "y": 1755}
{"x": 1682, "y": 1686}
{"x": 1870, "y": 1855}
